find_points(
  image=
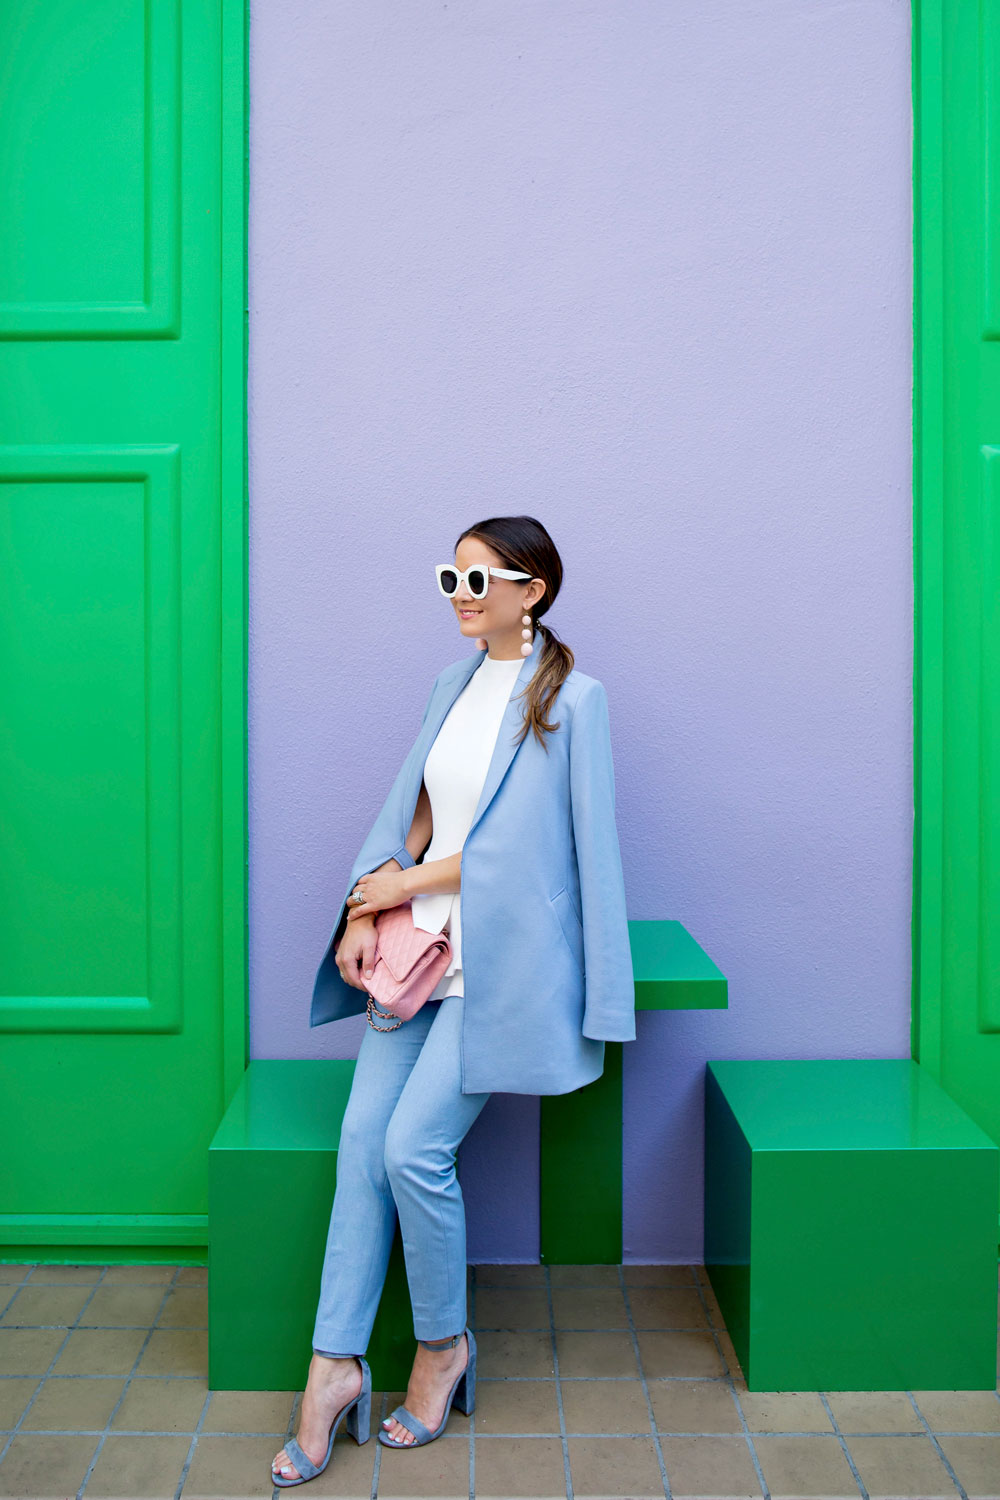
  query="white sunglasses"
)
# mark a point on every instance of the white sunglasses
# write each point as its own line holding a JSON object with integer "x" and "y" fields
{"x": 476, "y": 578}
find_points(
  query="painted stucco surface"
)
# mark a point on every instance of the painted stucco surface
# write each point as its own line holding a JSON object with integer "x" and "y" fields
{"x": 643, "y": 271}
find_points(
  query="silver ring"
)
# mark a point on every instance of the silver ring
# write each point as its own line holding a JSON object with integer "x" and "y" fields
{"x": 357, "y": 896}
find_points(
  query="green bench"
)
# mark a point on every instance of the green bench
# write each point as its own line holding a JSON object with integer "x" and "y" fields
{"x": 277, "y": 1143}
{"x": 850, "y": 1226}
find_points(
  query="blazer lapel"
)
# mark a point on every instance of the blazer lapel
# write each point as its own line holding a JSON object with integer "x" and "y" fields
{"x": 503, "y": 751}
{"x": 505, "y": 748}
{"x": 428, "y": 735}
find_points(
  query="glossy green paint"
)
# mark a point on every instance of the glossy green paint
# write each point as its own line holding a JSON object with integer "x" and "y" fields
{"x": 956, "y": 462}
{"x": 581, "y": 1132}
{"x": 122, "y": 620}
{"x": 279, "y": 1140}
{"x": 277, "y": 1144}
{"x": 850, "y": 1228}
{"x": 580, "y": 1170}
{"x": 671, "y": 971}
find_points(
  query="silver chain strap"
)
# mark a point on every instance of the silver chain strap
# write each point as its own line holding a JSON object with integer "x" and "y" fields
{"x": 382, "y": 1016}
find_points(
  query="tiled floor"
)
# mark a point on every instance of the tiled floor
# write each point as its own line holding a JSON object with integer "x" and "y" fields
{"x": 593, "y": 1381}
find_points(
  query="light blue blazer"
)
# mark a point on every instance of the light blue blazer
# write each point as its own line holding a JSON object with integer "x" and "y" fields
{"x": 545, "y": 944}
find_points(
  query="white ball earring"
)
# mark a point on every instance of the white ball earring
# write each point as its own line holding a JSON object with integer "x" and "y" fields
{"x": 526, "y": 637}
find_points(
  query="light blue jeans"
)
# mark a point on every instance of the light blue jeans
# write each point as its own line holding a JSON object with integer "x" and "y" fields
{"x": 405, "y": 1119}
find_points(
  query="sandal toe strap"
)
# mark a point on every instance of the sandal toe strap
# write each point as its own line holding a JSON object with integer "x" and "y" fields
{"x": 418, "y": 1428}
{"x": 301, "y": 1460}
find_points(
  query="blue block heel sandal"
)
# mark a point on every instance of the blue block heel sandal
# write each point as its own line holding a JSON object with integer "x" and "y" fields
{"x": 463, "y": 1393}
{"x": 359, "y": 1416}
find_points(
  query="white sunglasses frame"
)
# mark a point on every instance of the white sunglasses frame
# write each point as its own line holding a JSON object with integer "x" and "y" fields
{"x": 463, "y": 577}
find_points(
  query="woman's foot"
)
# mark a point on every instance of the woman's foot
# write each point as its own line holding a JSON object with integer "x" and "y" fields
{"x": 331, "y": 1385}
{"x": 432, "y": 1377}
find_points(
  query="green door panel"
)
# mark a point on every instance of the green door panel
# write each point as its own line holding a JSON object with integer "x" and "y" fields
{"x": 122, "y": 617}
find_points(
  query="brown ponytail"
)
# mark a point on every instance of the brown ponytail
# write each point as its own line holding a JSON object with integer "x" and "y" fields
{"x": 523, "y": 543}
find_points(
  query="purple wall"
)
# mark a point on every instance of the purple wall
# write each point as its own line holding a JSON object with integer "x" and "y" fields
{"x": 643, "y": 271}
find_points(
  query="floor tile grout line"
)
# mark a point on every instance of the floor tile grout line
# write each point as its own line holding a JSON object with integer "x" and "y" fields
{"x": 383, "y": 1412}
{"x": 471, "y": 1289}
{"x": 199, "y": 1428}
{"x": 747, "y": 1434}
{"x": 168, "y": 1288}
{"x": 12, "y": 1298}
{"x": 451, "y": 1437}
{"x": 567, "y": 1472}
{"x": 841, "y": 1437}
{"x": 112, "y": 1327}
{"x": 606, "y": 1328}
{"x": 46, "y": 1373}
{"x": 289, "y": 1433}
{"x": 85, "y": 1376}
{"x": 636, "y": 1354}
{"x": 570, "y": 1379}
{"x": 940, "y": 1451}
{"x": 105, "y": 1280}
{"x": 101, "y": 1281}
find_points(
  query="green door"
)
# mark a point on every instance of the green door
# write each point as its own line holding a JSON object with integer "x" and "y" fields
{"x": 122, "y": 619}
{"x": 956, "y": 926}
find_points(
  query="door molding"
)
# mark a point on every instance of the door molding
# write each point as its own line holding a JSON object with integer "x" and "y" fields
{"x": 234, "y": 503}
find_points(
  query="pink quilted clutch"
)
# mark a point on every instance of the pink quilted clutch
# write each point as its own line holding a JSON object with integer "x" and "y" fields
{"x": 408, "y": 964}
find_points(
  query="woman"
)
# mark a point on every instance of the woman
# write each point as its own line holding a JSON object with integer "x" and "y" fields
{"x": 500, "y": 831}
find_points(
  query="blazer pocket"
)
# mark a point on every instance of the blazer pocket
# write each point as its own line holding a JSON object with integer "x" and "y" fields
{"x": 570, "y": 923}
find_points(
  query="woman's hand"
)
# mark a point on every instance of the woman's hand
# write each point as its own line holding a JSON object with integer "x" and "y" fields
{"x": 355, "y": 953}
{"x": 382, "y": 889}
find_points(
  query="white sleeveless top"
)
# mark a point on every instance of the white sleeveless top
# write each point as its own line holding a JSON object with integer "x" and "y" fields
{"x": 454, "y": 774}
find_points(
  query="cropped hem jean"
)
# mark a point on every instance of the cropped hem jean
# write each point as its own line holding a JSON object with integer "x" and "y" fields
{"x": 406, "y": 1116}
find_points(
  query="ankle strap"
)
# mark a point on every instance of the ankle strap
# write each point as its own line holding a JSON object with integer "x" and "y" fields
{"x": 442, "y": 1343}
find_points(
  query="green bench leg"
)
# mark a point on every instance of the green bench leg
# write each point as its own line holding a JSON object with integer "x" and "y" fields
{"x": 581, "y": 1170}
{"x": 263, "y": 1276}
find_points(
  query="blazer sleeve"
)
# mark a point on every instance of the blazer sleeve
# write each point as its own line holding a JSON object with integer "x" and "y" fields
{"x": 374, "y": 851}
{"x": 402, "y": 855}
{"x": 609, "y": 982}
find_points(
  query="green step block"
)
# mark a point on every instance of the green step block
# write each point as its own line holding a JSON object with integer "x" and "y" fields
{"x": 580, "y": 1168}
{"x": 850, "y": 1226}
{"x": 271, "y": 1179}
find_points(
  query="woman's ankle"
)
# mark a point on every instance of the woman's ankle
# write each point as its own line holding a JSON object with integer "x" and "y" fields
{"x": 335, "y": 1362}
{"x": 438, "y": 1346}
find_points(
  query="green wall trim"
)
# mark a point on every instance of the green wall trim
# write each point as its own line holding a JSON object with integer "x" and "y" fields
{"x": 955, "y": 1014}
{"x": 234, "y": 312}
{"x": 109, "y": 1254}
{"x": 928, "y": 487}
{"x": 46, "y": 1230}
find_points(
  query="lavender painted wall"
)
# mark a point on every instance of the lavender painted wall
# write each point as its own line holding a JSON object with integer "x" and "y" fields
{"x": 643, "y": 271}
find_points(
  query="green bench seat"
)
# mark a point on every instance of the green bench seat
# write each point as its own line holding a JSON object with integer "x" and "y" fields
{"x": 850, "y": 1226}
